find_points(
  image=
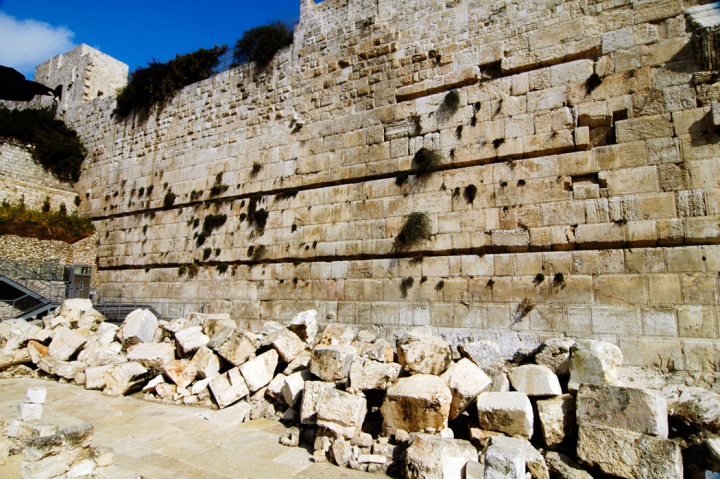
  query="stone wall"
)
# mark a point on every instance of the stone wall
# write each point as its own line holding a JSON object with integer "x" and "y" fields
{"x": 577, "y": 192}
{"x": 24, "y": 179}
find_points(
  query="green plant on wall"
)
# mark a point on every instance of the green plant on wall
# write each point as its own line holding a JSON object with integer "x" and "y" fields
{"x": 154, "y": 85}
{"x": 417, "y": 227}
{"x": 260, "y": 44}
{"x": 427, "y": 161}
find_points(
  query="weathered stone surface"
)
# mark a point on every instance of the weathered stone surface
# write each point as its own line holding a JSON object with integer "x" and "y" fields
{"x": 206, "y": 362}
{"x": 35, "y": 395}
{"x": 505, "y": 458}
{"x": 259, "y": 371}
{"x": 190, "y": 340}
{"x": 380, "y": 350}
{"x": 563, "y": 467}
{"x": 302, "y": 361}
{"x": 416, "y": 403}
{"x": 510, "y": 413}
{"x": 640, "y": 410}
{"x": 694, "y": 406}
{"x": 535, "y": 462}
{"x": 212, "y": 323}
{"x": 535, "y": 380}
{"x": 124, "y": 378}
{"x": 98, "y": 353}
{"x": 287, "y": 344}
{"x": 310, "y": 400}
{"x": 594, "y": 362}
{"x": 336, "y": 334}
{"x": 305, "y": 325}
{"x": 293, "y": 386}
{"x": 332, "y": 363}
{"x": 419, "y": 352}
{"x": 341, "y": 412}
{"x": 138, "y": 327}
{"x": 466, "y": 381}
{"x": 228, "y": 388}
{"x": 485, "y": 354}
{"x": 555, "y": 354}
{"x": 151, "y": 355}
{"x": 368, "y": 374}
{"x": 431, "y": 457}
{"x": 95, "y": 376}
{"x": 236, "y": 349}
{"x": 628, "y": 454}
{"x": 65, "y": 369}
{"x": 182, "y": 372}
{"x": 557, "y": 419}
{"x": 341, "y": 452}
{"x": 37, "y": 351}
{"x": 65, "y": 343}
{"x": 73, "y": 309}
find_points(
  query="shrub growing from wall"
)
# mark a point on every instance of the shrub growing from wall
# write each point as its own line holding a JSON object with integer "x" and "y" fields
{"x": 260, "y": 44}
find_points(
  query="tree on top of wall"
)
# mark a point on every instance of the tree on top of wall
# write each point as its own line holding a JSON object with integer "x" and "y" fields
{"x": 260, "y": 44}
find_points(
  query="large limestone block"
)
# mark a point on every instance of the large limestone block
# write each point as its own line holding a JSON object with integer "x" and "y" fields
{"x": 69, "y": 370}
{"x": 212, "y": 323}
{"x": 228, "y": 388}
{"x": 367, "y": 374}
{"x": 287, "y": 344}
{"x": 694, "y": 406}
{"x": 138, "y": 327}
{"x": 594, "y": 362}
{"x": 332, "y": 363}
{"x": 505, "y": 458}
{"x": 379, "y": 350}
{"x": 433, "y": 457}
{"x": 95, "y": 377}
{"x": 294, "y": 386}
{"x": 336, "y": 334}
{"x": 509, "y": 412}
{"x": 182, "y": 372}
{"x": 236, "y": 349}
{"x": 97, "y": 353}
{"x": 305, "y": 325}
{"x": 555, "y": 354}
{"x": 563, "y": 467}
{"x": 65, "y": 343}
{"x": 90, "y": 319}
{"x": 640, "y": 410}
{"x": 312, "y": 392}
{"x": 206, "y": 362}
{"x": 535, "y": 380}
{"x": 106, "y": 332}
{"x": 341, "y": 412}
{"x": 151, "y": 355}
{"x": 466, "y": 381}
{"x": 124, "y": 378}
{"x": 419, "y": 352}
{"x": 628, "y": 454}
{"x": 416, "y": 403}
{"x": 259, "y": 371}
{"x": 484, "y": 353}
{"x": 557, "y": 419}
{"x": 190, "y": 340}
{"x": 73, "y": 309}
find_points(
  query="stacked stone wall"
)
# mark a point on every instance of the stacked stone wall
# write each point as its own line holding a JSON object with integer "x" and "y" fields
{"x": 586, "y": 130}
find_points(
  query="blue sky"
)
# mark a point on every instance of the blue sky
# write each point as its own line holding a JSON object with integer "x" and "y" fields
{"x": 132, "y": 31}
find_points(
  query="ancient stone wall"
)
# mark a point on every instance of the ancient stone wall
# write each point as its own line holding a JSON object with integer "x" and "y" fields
{"x": 577, "y": 191}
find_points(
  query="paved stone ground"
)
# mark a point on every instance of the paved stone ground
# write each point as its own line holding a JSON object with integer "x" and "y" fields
{"x": 161, "y": 441}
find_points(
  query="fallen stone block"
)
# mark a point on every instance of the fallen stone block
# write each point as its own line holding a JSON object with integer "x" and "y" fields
{"x": 432, "y": 457}
{"x": 305, "y": 325}
{"x": 124, "y": 379}
{"x": 37, "y": 351}
{"x": 368, "y": 374}
{"x": 466, "y": 381}
{"x": 555, "y": 354}
{"x": 485, "y": 353}
{"x": 504, "y": 458}
{"x": 228, "y": 388}
{"x": 535, "y": 380}
{"x": 419, "y": 352}
{"x": 97, "y": 353}
{"x": 236, "y": 349}
{"x": 628, "y": 454}
{"x": 341, "y": 452}
{"x": 65, "y": 343}
{"x": 510, "y": 413}
{"x": 212, "y": 323}
{"x": 95, "y": 377}
{"x": 641, "y": 410}
{"x": 336, "y": 334}
{"x": 557, "y": 420}
{"x": 310, "y": 400}
{"x": 563, "y": 467}
{"x": 416, "y": 403}
{"x": 293, "y": 386}
{"x": 341, "y": 412}
{"x": 74, "y": 308}
{"x": 138, "y": 327}
{"x": 287, "y": 344}
{"x": 65, "y": 369}
{"x": 190, "y": 340}
{"x": 274, "y": 388}
{"x": 380, "y": 350}
{"x": 694, "y": 406}
{"x": 206, "y": 363}
{"x": 259, "y": 371}
{"x": 594, "y": 362}
{"x": 182, "y": 372}
{"x": 332, "y": 363}
{"x": 151, "y": 355}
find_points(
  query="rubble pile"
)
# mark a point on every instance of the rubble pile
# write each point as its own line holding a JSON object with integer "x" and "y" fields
{"x": 421, "y": 408}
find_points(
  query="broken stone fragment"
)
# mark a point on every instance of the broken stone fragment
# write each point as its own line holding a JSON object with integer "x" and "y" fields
{"x": 510, "y": 413}
{"x": 332, "y": 363}
{"x": 236, "y": 349}
{"x": 310, "y": 400}
{"x": 65, "y": 369}
{"x": 416, "y": 403}
{"x": 341, "y": 452}
{"x": 640, "y": 410}
{"x": 37, "y": 351}
{"x": 190, "y": 340}
{"x": 341, "y": 412}
{"x": 419, "y": 352}
{"x": 212, "y": 323}
{"x": 484, "y": 353}
{"x": 228, "y": 388}
{"x": 138, "y": 327}
{"x": 505, "y": 458}
{"x": 124, "y": 378}
{"x": 300, "y": 362}
{"x": 287, "y": 344}
{"x": 557, "y": 420}
{"x": 206, "y": 363}
{"x": 466, "y": 381}
{"x": 65, "y": 343}
{"x": 95, "y": 377}
{"x": 535, "y": 380}
{"x": 151, "y": 355}
{"x": 182, "y": 372}
{"x": 594, "y": 362}
{"x": 97, "y": 353}
{"x": 628, "y": 454}
{"x": 555, "y": 354}
{"x": 432, "y": 457}
{"x": 694, "y": 406}
{"x": 367, "y": 374}
{"x": 305, "y": 325}
{"x": 336, "y": 334}
{"x": 291, "y": 437}
{"x": 562, "y": 467}
{"x": 293, "y": 386}
{"x": 74, "y": 308}
{"x": 259, "y": 371}
{"x": 380, "y": 350}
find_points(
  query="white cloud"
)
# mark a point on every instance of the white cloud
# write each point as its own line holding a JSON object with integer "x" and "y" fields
{"x": 24, "y": 44}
